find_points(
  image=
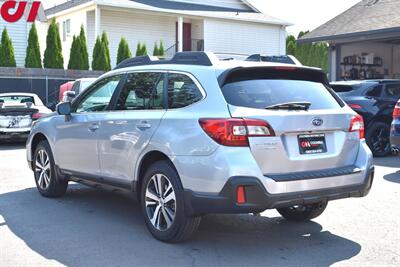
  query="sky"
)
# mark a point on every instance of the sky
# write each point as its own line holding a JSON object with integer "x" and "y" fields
{"x": 304, "y": 14}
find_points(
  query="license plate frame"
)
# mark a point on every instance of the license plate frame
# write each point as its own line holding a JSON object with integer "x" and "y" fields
{"x": 310, "y": 144}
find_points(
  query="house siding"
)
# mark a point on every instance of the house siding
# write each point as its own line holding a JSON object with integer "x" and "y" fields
{"x": 245, "y": 38}
{"x": 90, "y": 32}
{"x": 136, "y": 27}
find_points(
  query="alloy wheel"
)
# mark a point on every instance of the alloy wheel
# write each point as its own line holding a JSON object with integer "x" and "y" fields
{"x": 160, "y": 202}
{"x": 42, "y": 169}
{"x": 380, "y": 140}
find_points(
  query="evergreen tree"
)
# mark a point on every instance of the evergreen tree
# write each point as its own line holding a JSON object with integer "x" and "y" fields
{"x": 138, "y": 50}
{"x": 75, "y": 59}
{"x": 33, "y": 58}
{"x": 156, "y": 51}
{"x": 161, "y": 50}
{"x": 96, "y": 53}
{"x": 144, "y": 50}
{"x": 104, "y": 40}
{"x": 124, "y": 51}
{"x": 102, "y": 58}
{"x": 7, "y": 58}
{"x": 84, "y": 50}
{"x": 53, "y": 55}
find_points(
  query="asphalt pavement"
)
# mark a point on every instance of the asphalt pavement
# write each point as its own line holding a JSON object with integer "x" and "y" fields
{"x": 91, "y": 227}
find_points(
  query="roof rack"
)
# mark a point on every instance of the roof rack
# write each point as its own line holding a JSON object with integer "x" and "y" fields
{"x": 204, "y": 59}
{"x": 184, "y": 58}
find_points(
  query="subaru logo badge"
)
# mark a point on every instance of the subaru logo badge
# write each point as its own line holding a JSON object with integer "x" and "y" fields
{"x": 317, "y": 122}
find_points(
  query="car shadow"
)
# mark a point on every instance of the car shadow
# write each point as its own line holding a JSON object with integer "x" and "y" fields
{"x": 393, "y": 177}
{"x": 390, "y": 162}
{"x": 6, "y": 145}
{"x": 90, "y": 227}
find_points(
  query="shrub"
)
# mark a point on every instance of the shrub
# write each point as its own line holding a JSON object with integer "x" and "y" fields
{"x": 53, "y": 55}
{"x": 33, "y": 58}
{"x": 7, "y": 58}
{"x": 83, "y": 50}
{"x": 124, "y": 51}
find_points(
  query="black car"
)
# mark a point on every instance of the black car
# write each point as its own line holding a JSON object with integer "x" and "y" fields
{"x": 374, "y": 100}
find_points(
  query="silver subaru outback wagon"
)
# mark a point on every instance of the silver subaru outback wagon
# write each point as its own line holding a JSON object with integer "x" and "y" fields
{"x": 194, "y": 135}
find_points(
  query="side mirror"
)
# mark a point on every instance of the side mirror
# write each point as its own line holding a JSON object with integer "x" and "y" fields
{"x": 69, "y": 96}
{"x": 64, "y": 109}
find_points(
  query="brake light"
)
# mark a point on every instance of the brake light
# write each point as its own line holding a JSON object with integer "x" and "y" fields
{"x": 36, "y": 116}
{"x": 235, "y": 132}
{"x": 240, "y": 195}
{"x": 357, "y": 125}
{"x": 396, "y": 111}
{"x": 355, "y": 106}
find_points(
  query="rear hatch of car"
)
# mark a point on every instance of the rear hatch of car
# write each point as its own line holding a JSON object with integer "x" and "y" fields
{"x": 307, "y": 127}
{"x": 16, "y": 116}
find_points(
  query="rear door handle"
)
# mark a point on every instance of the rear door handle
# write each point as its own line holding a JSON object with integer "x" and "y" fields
{"x": 143, "y": 125}
{"x": 94, "y": 127}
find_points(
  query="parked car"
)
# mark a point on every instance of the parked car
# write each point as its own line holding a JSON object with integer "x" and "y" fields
{"x": 374, "y": 100}
{"x": 395, "y": 131}
{"x": 195, "y": 135}
{"x": 78, "y": 87}
{"x": 64, "y": 88}
{"x": 17, "y": 112}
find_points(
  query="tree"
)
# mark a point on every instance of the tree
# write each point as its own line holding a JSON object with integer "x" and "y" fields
{"x": 75, "y": 58}
{"x": 7, "y": 58}
{"x": 100, "y": 61}
{"x": 124, "y": 52}
{"x": 143, "y": 51}
{"x": 53, "y": 55}
{"x": 33, "y": 58}
{"x": 156, "y": 51}
{"x": 104, "y": 40}
{"x": 138, "y": 50}
{"x": 84, "y": 50}
{"x": 161, "y": 50}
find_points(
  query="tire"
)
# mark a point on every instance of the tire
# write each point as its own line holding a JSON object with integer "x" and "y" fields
{"x": 303, "y": 213}
{"x": 378, "y": 139}
{"x": 165, "y": 216}
{"x": 47, "y": 182}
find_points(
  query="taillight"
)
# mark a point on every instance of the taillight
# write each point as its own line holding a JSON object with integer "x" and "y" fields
{"x": 240, "y": 195}
{"x": 235, "y": 132}
{"x": 396, "y": 111}
{"x": 355, "y": 106}
{"x": 36, "y": 116}
{"x": 357, "y": 125}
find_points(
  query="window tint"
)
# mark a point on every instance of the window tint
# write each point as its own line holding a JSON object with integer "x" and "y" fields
{"x": 182, "y": 91}
{"x": 393, "y": 91}
{"x": 339, "y": 88}
{"x": 75, "y": 87}
{"x": 99, "y": 98}
{"x": 142, "y": 91}
{"x": 264, "y": 93}
{"x": 375, "y": 92}
{"x": 17, "y": 99}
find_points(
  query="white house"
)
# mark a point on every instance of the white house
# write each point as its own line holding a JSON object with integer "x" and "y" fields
{"x": 19, "y": 32}
{"x": 233, "y": 26}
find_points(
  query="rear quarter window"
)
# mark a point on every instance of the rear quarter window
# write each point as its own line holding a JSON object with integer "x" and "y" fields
{"x": 262, "y": 93}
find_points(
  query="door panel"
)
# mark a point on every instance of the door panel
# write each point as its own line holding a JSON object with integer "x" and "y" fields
{"x": 126, "y": 131}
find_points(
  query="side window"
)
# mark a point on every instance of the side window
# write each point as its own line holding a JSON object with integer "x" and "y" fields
{"x": 75, "y": 87}
{"x": 375, "y": 92}
{"x": 142, "y": 91}
{"x": 393, "y": 91}
{"x": 100, "y": 96}
{"x": 182, "y": 91}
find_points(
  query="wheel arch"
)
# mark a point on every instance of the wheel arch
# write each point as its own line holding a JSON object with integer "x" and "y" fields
{"x": 145, "y": 162}
{"x": 36, "y": 139}
{"x": 381, "y": 118}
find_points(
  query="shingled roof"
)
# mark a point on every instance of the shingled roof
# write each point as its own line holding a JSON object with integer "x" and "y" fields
{"x": 368, "y": 16}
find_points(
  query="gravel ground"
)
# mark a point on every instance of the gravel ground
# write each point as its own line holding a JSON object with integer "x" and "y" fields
{"x": 90, "y": 227}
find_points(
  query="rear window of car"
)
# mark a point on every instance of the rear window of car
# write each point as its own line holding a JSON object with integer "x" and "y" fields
{"x": 340, "y": 88}
{"x": 17, "y": 99}
{"x": 262, "y": 93}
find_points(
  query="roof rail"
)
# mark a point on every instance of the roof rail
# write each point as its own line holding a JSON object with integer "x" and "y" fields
{"x": 184, "y": 58}
{"x": 275, "y": 59}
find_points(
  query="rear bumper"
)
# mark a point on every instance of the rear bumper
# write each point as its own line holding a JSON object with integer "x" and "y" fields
{"x": 17, "y": 133}
{"x": 258, "y": 199}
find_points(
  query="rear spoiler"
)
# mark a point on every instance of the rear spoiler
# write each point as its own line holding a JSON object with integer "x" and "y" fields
{"x": 291, "y": 72}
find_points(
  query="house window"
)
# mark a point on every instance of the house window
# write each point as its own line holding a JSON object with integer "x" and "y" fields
{"x": 66, "y": 29}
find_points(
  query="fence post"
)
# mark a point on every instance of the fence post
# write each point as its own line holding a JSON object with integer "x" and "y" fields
{"x": 47, "y": 90}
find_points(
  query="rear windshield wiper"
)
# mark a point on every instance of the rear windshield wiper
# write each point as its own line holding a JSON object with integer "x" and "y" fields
{"x": 291, "y": 106}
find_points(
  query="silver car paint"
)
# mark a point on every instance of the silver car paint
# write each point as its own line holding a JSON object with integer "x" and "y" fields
{"x": 203, "y": 165}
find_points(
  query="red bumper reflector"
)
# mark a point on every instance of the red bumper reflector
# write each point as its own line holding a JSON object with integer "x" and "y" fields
{"x": 240, "y": 195}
